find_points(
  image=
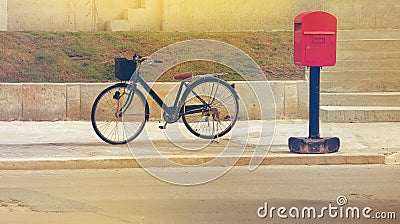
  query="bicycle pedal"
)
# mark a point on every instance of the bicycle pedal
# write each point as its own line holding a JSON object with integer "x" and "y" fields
{"x": 163, "y": 127}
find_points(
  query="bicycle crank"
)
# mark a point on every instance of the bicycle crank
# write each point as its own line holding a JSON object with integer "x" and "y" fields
{"x": 212, "y": 112}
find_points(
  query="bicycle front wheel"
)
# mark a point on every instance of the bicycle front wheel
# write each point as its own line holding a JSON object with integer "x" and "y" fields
{"x": 211, "y": 108}
{"x": 111, "y": 106}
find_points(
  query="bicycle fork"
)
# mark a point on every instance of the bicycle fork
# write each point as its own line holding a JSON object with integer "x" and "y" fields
{"x": 127, "y": 103}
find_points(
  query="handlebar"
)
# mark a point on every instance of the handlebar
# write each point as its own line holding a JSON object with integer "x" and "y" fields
{"x": 140, "y": 59}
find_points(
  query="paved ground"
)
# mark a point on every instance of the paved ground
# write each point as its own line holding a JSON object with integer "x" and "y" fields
{"x": 48, "y": 191}
{"x": 116, "y": 196}
{"x": 59, "y": 145}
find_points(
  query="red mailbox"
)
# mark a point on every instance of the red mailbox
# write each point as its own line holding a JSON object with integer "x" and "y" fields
{"x": 315, "y": 39}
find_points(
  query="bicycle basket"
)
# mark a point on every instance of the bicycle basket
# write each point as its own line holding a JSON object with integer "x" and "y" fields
{"x": 124, "y": 68}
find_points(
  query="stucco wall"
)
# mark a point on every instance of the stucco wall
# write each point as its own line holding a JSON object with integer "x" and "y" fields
{"x": 192, "y": 15}
{"x": 69, "y": 15}
{"x": 3, "y": 15}
{"x": 365, "y": 14}
{"x": 236, "y": 15}
{"x": 232, "y": 15}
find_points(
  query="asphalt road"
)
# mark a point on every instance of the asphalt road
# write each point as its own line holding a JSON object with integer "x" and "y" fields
{"x": 133, "y": 196}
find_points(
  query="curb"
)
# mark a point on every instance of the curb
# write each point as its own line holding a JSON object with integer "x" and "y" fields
{"x": 115, "y": 163}
{"x": 393, "y": 158}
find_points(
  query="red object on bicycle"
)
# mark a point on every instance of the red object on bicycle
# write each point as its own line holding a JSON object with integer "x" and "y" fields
{"x": 183, "y": 76}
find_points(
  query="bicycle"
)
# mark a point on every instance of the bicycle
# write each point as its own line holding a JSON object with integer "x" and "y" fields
{"x": 208, "y": 106}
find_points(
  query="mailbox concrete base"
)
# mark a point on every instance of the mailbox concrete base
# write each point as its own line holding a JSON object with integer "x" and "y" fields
{"x": 314, "y": 145}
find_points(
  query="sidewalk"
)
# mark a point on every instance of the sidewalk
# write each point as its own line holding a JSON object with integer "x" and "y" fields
{"x": 74, "y": 145}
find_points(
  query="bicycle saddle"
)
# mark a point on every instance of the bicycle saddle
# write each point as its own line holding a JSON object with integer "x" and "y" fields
{"x": 183, "y": 76}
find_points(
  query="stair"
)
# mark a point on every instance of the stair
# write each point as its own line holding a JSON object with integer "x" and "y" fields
{"x": 361, "y": 99}
{"x": 354, "y": 114}
{"x": 364, "y": 86}
{"x": 353, "y": 86}
{"x": 145, "y": 17}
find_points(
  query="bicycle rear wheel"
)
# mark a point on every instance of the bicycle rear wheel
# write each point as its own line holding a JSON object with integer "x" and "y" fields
{"x": 111, "y": 106}
{"x": 211, "y": 108}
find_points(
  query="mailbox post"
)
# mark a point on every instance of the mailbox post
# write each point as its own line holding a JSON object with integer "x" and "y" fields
{"x": 315, "y": 36}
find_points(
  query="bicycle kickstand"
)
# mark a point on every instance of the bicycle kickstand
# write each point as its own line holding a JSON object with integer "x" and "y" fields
{"x": 163, "y": 127}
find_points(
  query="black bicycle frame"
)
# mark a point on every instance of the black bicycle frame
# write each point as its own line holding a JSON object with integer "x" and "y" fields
{"x": 171, "y": 111}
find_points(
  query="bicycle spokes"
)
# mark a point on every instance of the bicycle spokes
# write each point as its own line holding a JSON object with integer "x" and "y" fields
{"x": 111, "y": 107}
{"x": 217, "y": 115}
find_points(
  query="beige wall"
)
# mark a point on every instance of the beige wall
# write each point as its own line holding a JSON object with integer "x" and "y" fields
{"x": 191, "y": 15}
{"x": 73, "y": 101}
{"x": 365, "y": 14}
{"x": 232, "y": 15}
{"x": 3, "y": 15}
{"x": 236, "y": 15}
{"x": 147, "y": 18}
{"x": 65, "y": 15}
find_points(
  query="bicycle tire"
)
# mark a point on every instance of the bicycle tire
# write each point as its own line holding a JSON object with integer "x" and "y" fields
{"x": 106, "y": 114}
{"x": 220, "y": 98}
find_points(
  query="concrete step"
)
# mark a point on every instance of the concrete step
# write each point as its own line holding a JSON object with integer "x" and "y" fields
{"x": 368, "y": 49}
{"x": 352, "y": 86}
{"x": 145, "y": 18}
{"x": 122, "y": 24}
{"x": 369, "y": 44}
{"x": 358, "y": 75}
{"x": 131, "y": 13}
{"x": 361, "y": 99}
{"x": 117, "y": 25}
{"x": 368, "y": 34}
{"x": 367, "y": 55}
{"x": 351, "y": 65}
{"x": 354, "y": 114}
{"x": 136, "y": 3}
{"x": 364, "y": 86}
